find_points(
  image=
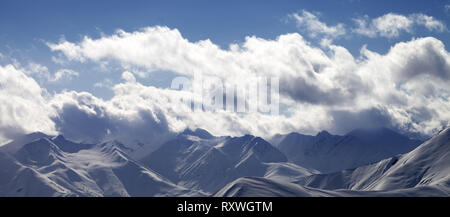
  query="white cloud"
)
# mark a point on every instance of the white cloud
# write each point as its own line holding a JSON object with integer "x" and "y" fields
{"x": 70, "y": 51}
{"x": 391, "y": 25}
{"x": 311, "y": 23}
{"x": 429, "y": 22}
{"x": 317, "y": 87}
{"x": 23, "y": 107}
{"x": 161, "y": 48}
{"x": 399, "y": 78}
{"x": 37, "y": 70}
{"x": 406, "y": 88}
{"x": 42, "y": 73}
{"x": 106, "y": 83}
{"x": 128, "y": 77}
{"x": 63, "y": 73}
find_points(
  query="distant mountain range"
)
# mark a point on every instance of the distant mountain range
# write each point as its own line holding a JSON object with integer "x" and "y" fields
{"x": 425, "y": 171}
{"x": 196, "y": 163}
{"x": 331, "y": 153}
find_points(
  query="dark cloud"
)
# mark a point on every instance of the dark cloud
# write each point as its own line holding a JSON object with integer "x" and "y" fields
{"x": 11, "y": 132}
{"x": 345, "y": 121}
{"x": 79, "y": 124}
{"x": 421, "y": 114}
{"x": 148, "y": 126}
{"x": 428, "y": 56}
{"x": 302, "y": 91}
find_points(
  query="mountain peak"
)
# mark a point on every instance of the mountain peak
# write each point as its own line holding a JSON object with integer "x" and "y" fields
{"x": 59, "y": 138}
{"x": 19, "y": 142}
{"x": 39, "y": 152}
{"x": 323, "y": 133}
{"x": 199, "y": 132}
{"x": 36, "y": 134}
{"x": 377, "y": 133}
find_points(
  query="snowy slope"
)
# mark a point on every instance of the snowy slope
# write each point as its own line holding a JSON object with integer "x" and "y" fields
{"x": 19, "y": 180}
{"x": 262, "y": 187}
{"x": 57, "y": 167}
{"x": 331, "y": 153}
{"x": 196, "y": 163}
{"x": 288, "y": 172}
{"x": 16, "y": 144}
{"x": 236, "y": 157}
{"x": 198, "y": 160}
{"x": 175, "y": 156}
{"x": 425, "y": 171}
{"x": 42, "y": 165}
{"x": 428, "y": 164}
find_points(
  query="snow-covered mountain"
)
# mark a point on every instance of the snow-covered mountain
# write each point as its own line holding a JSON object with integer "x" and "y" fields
{"x": 264, "y": 187}
{"x": 331, "y": 153}
{"x": 41, "y": 165}
{"x": 196, "y": 159}
{"x": 425, "y": 171}
{"x": 196, "y": 163}
{"x": 429, "y": 164}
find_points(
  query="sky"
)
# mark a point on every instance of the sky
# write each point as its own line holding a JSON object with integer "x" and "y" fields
{"x": 342, "y": 64}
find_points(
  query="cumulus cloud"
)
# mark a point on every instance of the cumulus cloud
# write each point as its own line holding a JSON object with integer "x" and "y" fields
{"x": 391, "y": 25}
{"x": 289, "y": 57}
{"x": 311, "y": 23}
{"x": 83, "y": 117}
{"x": 407, "y": 88}
{"x": 23, "y": 107}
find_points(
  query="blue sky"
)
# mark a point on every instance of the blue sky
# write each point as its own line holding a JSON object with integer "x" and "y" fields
{"x": 381, "y": 62}
{"x": 27, "y": 25}
{"x": 223, "y": 22}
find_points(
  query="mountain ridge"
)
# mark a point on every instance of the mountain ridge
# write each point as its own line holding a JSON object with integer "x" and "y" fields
{"x": 423, "y": 171}
{"x": 331, "y": 153}
{"x": 197, "y": 163}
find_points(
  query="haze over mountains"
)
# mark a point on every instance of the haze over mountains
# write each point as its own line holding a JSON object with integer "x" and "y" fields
{"x": 196, "y": 163}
